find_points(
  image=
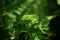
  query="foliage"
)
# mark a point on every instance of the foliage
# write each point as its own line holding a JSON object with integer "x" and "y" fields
{"x": 27, "y": 18}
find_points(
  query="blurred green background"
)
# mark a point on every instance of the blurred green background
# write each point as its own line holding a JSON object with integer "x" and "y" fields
{"x": 27, "y": 19}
